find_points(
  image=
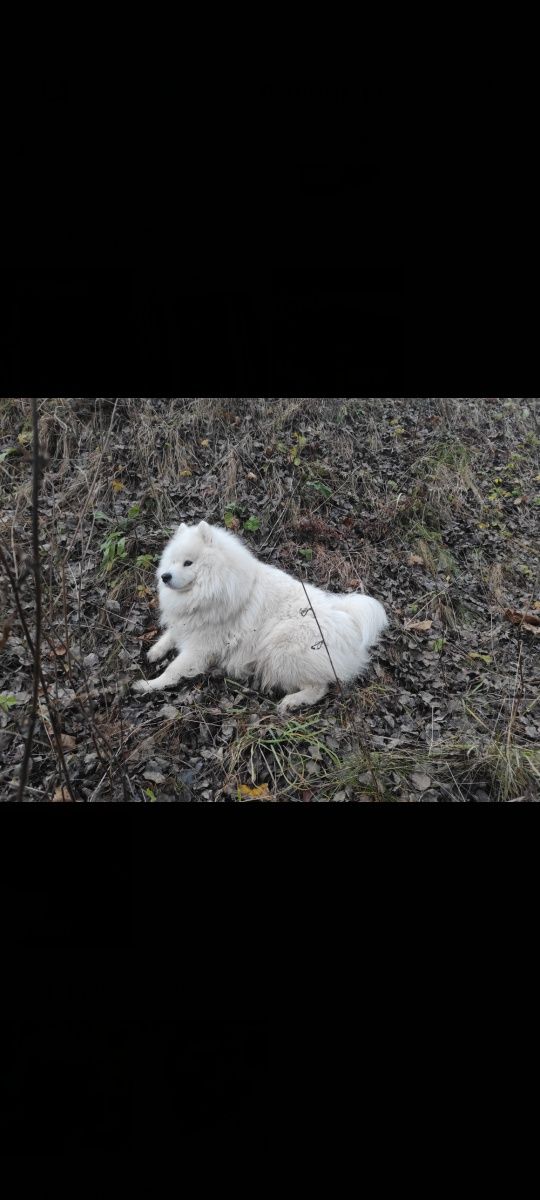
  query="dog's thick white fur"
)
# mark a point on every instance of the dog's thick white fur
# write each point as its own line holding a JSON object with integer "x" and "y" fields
{"x": 221, "y": 607}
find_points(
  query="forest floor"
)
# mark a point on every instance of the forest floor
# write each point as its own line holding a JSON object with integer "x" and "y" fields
{"x": 431, "y": 505}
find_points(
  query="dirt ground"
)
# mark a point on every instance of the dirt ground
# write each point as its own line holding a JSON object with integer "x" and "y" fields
{"x": 431, "y": 505}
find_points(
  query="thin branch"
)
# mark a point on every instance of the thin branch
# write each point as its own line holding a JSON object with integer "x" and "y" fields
{"x": 322, "y": 636}
{"x": 91, "y": 487}
{"x": 363, "y": 744}
{"x": 518, "y": 695}
{"x": 30, "y": 643}
{"x": 36, "y": 465}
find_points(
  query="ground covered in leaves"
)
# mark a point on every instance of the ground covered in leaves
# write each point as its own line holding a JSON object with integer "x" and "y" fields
{"x": 431, "y": 505}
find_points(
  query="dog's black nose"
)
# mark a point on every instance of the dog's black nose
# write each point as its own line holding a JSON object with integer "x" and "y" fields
{"x": 167, "y": 577}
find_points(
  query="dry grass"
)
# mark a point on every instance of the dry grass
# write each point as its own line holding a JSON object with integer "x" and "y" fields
{"x": 344, "y": 492}
{"x": 451, "y": 767}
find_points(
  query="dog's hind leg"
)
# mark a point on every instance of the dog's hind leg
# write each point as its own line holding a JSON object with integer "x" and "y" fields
{"x": 164, "y": 643}
{"x": 308, "y": 695}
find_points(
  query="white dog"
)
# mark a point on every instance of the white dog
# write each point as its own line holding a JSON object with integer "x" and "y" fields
{"x": 221, "y": 607}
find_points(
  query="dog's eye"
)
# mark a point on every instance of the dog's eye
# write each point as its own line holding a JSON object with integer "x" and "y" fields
{"x": 188, "y": 563}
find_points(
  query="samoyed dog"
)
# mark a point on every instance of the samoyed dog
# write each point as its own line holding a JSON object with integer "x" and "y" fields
{"x": 221, "y": 607}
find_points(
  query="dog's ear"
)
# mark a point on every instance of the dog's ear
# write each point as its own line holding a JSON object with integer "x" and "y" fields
{"x": 205, "y": 532}
{"x": 181, "y": 527}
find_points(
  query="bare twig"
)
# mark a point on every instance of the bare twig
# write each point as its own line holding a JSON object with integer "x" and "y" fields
{"x": 518, "y": 695}
{"x": 322, "y": 636}
{"x": 363, "y": 744}
{"x": 91, "y": 487}
{"x": 36, "y": 465}
{"x": 30, "y": 643}
{"x": 95, "y": 735}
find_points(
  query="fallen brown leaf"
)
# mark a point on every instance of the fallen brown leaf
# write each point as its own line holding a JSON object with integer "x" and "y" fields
{"x": 61, "y": 794}
{"x": 418, "y": 626}
{"x": 6, "y": 630}
{"x": 518, "y": 618}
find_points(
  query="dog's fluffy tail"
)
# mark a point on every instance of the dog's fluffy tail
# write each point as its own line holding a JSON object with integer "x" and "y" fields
{"x": 368, "y": 613}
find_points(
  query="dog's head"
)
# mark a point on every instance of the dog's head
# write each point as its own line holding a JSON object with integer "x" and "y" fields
{"x": 181, "y": 560}
{"x": 207, "y": 565}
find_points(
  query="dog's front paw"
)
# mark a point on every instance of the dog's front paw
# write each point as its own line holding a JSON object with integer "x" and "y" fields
{"x": 153, "y": 653}
{"x": 141, "y": 685}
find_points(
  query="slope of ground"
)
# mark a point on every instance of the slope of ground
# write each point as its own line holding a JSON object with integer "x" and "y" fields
{"x": 429, "y": 504}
